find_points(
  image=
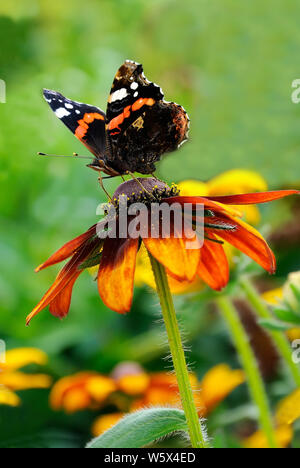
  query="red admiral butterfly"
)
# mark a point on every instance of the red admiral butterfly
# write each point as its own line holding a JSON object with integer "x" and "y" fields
{"x": 138, "y": 127}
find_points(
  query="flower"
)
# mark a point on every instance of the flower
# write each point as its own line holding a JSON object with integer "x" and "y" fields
{"x": 116, "y": 256}
{"x": 84, "y": 390}
{"x": 162, "y": 390}
{"x": 287, "y": 412}
{"x": 11, "y": 379}
{"x": 228, "y": 183}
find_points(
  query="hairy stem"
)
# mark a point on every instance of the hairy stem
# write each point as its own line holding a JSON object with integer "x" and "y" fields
{"x": 196, "y": 432}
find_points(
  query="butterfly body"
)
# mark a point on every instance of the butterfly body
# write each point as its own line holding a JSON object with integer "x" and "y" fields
{"x": 138, "y": 127}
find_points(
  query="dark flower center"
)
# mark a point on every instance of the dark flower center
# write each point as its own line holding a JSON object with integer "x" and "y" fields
{"x": 144, "y": 190}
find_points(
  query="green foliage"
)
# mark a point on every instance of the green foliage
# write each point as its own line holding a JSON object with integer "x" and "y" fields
{"x": 230, "y": 64}
{"x": 141, "y": 428}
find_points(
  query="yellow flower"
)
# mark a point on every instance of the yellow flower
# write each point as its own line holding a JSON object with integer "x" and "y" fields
{"x": 287, "y": 412}
{"x": 274, "y": 296}
{"x": 229, "y": 183}
{"x": 12, "y": 380}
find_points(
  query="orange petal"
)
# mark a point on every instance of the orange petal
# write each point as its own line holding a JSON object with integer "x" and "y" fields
{"x": 213, "y": 268}
{"x": 250, "y": 242}
{"x": 64, "y": 277}
{"x": 60, "y": 305}
{"x": 68, "y": 249}
{"x": 116, "y": 273}
{"x": 172, "y": 252}
{"x": 253, "y": 198}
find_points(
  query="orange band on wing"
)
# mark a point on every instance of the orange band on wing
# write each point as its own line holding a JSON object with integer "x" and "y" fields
{"x": 142, "y": 102}
{"x": 114, "y": 123}
{"x": 88, "y": 118}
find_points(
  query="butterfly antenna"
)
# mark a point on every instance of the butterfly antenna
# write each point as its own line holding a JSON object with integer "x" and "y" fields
{"x": 74, "y": 155}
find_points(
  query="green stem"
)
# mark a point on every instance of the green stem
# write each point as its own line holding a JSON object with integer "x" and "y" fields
{"x": 278, "y": 337}
{"x": 254, "y": 379}
{"x": 197, "y": 434}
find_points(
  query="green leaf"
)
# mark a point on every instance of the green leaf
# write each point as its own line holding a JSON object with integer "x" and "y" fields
{"x": 90, "y": 262}
{"x": 274, "y": 325}
{"x": 139, "y": 429}
{"x": 287, "y": 315}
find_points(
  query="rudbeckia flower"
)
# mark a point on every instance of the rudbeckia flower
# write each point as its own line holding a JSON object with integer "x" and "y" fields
{"x": 162, "y": 390}
{"x": 12, "y": 379}
{"x": 116, "y": 254}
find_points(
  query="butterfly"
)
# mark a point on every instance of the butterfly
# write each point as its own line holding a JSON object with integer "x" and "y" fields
{"x": 137, "y": 128}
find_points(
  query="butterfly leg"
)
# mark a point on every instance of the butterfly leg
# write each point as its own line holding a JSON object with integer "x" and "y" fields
{"x": 100, "y": 178}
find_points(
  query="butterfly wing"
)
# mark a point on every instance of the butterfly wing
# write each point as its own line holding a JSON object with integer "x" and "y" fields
{"x": 130, "y": 95}
{"x": 85, "y": 121}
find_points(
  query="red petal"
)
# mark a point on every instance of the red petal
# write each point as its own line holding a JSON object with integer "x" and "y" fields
{"x": 60, "y": 305}
{"x": 116, "y": 273}
{"x": 172, "y": 252}
{"x": 68, "y": 249}
{"x": 253, "y": 198}
{"x": 213, "y": 267}
{"x": 195, "y": 200}
{"x": 249, "y": 241}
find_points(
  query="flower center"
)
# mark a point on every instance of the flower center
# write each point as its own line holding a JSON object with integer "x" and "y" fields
{"x": 144, "y": 190}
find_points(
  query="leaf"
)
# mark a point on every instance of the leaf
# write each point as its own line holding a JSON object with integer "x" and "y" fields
{"x": 274, "y": 325}
{"x": 287, "y": 315}
{"x": 140, "y": 428}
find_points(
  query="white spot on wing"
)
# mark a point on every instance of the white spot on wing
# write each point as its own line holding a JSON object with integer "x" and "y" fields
{"x": 118, "y": 95}
{"x": 69, "y": 106}
{"x": 77, "y": 111}
{"x": 136, "y": 94}
{"x": 134, "y": 85}
{"x": 62, "y": 112}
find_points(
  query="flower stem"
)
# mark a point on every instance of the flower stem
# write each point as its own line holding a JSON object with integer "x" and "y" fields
{"x": 278, "y": 337}
{"x": 254, "y": 379}
{"x": 196, "y": 432}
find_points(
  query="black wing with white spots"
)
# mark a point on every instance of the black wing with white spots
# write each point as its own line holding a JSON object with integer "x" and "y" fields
{"x": 85, "y": 121}
{"x": 131, "y": 95}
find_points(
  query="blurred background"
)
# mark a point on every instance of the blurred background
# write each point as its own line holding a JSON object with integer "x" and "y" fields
{"x": 231, "y": 65}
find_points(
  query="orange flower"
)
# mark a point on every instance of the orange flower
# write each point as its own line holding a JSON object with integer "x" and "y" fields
{"x": 81, "y": 391}
{"x": 117, "y": 256}
{"x": 162, "y": 390}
